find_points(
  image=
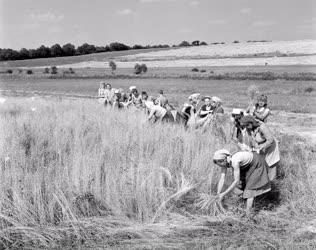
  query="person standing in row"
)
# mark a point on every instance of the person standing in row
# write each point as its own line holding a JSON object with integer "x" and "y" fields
{"x": 260, "y": 111}
{"x": 263, "y": 141}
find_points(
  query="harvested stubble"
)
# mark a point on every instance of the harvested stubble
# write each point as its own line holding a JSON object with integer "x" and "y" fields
{"x": 72, "y": 172}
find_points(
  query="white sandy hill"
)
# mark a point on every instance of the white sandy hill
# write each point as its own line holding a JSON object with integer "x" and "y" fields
{"x": 305, "y": 47}
{"x": 241, "y": 54}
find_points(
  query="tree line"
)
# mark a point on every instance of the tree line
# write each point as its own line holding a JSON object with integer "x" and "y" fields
{"x": 70, "y": 50}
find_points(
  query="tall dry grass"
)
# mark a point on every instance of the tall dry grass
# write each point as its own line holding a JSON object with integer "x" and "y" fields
{"x": 69, "y": 161}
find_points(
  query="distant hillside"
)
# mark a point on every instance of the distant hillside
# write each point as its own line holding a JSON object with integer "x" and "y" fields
{"x": 232, "y": 50}
{"x": 98, "y": 57}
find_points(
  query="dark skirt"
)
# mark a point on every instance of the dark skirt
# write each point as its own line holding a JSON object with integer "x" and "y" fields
{"x": 254, "y": 177}
{"x": 168, "y": 117}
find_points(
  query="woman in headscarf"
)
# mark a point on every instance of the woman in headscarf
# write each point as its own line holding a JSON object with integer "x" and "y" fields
{"x": 263, "y": 141}
{"x": 118, "y": 99}
{"x": 237, "y": 134}
{"x": 249, "y": 168}
{"x": 108, "y": 94}
{"x": 216, "y": 105}
{"x": 101, "y": 93}
{"x": 204, "y": 112}
{"x": 260, "y": 111}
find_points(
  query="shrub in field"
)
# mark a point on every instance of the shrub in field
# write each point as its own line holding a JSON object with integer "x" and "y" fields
{"x": 309, "y": 90}
{"x": 235, "y": 41}
{"x": 29, "y": 72}
{"x": 203, "y": 43}
{"x": 195, "y": 70}
{"x": 20, "y": 71}
{"x": 71, "y": 71}
{"x": 184, "y": 44}
{"x": 46, "y": 71}
{"x": 137, "y": 69}
{"x": 202, "y": 70}
{"x": 144, "y": 68}
{"x": 112, "y": 65}
{"x": 9, "y": 71}
{"x": 54, "y": 70}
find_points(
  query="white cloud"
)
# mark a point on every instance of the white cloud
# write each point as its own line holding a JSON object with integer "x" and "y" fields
{"x": 245, "y": 11}
{"x": 217, "y": 21}
{"x": 263, "y": 23}
{"x": 194, "y": 3}
{"x": 184, "y": 31}
{"x": 48, "y": 17}
{"x": 124, "y": 12}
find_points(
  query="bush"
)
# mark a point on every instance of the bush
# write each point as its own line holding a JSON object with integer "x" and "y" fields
{"x": 46, "y": 71}
{"x": 29, "y": 72}
{"x": 54, "y": 70}
{"x": 184, "y": 44}
{"x": 20, "y": 71}
{"x": 202, "y": 70}
{"x": 144, "y": 68}
{"x": 112, "y": 65}
{"x": 203, "y": 43}
{"x": 137, "y": 69}
{"x": 195, "y": 70}
{"x": 9, "y": 71}
{"x": 212, "y": 72}
{"x": 309, "y": 90}
{"x": 71, "y": 71}
{"x": 235, "y": 41}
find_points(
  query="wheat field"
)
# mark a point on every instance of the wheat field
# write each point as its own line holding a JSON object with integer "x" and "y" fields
{"x": 76, "y": 174}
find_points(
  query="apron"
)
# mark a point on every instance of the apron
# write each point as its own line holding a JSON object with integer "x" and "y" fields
{"x": 254, "y": 177}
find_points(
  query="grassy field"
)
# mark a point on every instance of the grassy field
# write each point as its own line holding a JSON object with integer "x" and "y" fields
{"x": 284, "y": 95}
{"x": 74, "y": 174}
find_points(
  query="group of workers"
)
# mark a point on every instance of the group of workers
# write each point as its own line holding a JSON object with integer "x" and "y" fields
{"x": 255, "y": 163}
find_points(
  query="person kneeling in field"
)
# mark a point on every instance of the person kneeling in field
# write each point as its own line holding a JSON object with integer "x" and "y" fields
{"x": 157, "y": 113}
{"x": 249, "y": 168}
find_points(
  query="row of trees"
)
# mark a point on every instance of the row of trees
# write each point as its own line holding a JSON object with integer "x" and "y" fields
{"x": 70, "y": 50}
{"x": 66, "y": 50}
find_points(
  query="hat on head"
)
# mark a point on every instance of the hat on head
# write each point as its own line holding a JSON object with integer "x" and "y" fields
{"x": 221, "y": 154}
{"x": 194, "y": 96}
{"x": 132, "y": 88}
{"x": 237, "y": 111}
{"x": 206, "y": 97}
{"x": 216, "y": 99}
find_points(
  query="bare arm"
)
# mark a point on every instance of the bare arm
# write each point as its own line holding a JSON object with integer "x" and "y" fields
{"x": 267, "y": 134}
{"x": 262, "y": 116}
{"x": 221, "y": 180}
{"x": 205, "y": 112}
{"x": 151, "y": 114}
{"x": 235, "y": 182}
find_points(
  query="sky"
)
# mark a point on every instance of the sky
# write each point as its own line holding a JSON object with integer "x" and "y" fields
{"x": 31, "y": 23}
